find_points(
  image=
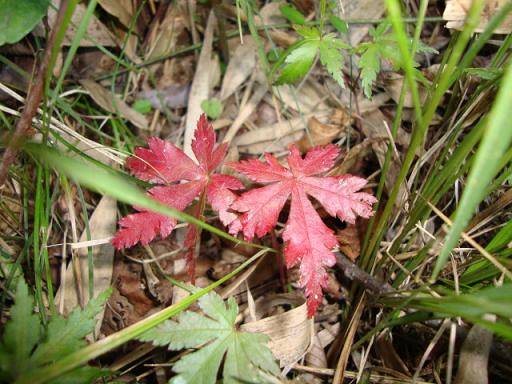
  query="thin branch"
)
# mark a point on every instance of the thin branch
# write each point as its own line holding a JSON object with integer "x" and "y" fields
{"x": 353, "y": 272}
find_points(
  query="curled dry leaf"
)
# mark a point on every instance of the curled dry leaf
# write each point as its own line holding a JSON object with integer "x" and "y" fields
{"x": 289, "y": 333}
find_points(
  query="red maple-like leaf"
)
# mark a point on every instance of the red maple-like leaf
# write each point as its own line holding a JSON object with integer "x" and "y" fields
{"x": 308, "y": 240}
{"x": 168, "y": 166}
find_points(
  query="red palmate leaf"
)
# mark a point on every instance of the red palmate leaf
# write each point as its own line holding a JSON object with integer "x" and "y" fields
{"x": 180, "y": 180}
{"x": 308, "y": 240}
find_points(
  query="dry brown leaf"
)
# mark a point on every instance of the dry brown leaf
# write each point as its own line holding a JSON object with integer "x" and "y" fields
{"x": 289, "y": 333}
{"x": 353, "y": 158}
{"x": 164, "y": 35}
{"x": 327, "y": 335}
{"x": 241, "y": 65}
{"x": 316, "y": 356}
{"x": 200, "y": 88}
{"x": 306, "y": 99}
{"x": 173, "y": 96}
{"x": 393, "y": 86}
{"x": 320, "y": 134}
{"x": 456, "y": 11}
{"x": 102, "y": 225}
{"x": 246, "y": 111}
{"x": 97, "y": 33}
{"x": 122, "y": 9}
{"x": 277, "y": 131}
{"x": 349, "y": 241}
{"x": 360, "y": 9}
{"x": 368, "y": 105}
{"x": 113, "y": 104}
{"x": 386, "y": 351}
{"x": 271, "y": 14}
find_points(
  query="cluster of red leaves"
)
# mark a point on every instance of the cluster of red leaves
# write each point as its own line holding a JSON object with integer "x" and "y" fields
{"x": 308, "y": 241}
{"x": 168, "y": 166}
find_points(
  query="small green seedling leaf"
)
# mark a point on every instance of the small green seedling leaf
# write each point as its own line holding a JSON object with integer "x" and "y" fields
{"x": 292, "y": 14}
{"x": 331, "y": 58}
{"x": 213, "y": 108}
{"x": 310, "y": 33}
{"x": 21, "y": 334}
{"x": 299, "y": 58}
{"x": 25, "y": 347}
{"x": 18, "y": 18}
{"x": 298, "y": 62}
{"x": 370, "y": 66}
{"x": 142, "y": 106}
{"x": 383, "y": 47}
{"x": 340, "y": 25}
{"x": 218, "y": 339}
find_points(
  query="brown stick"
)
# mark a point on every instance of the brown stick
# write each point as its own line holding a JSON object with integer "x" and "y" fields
{"x": 353, "y": 272}
{"x": 34, "y": 96}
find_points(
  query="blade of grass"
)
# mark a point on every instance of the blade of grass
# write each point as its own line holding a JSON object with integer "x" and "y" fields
{"x": 495, "y": 142}
{"x": 425, "y": 119}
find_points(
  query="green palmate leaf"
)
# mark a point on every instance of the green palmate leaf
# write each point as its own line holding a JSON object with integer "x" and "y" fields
{"x": 332, "y": 59}
{"x": 383, "y": 47}
{"x": 370, "y": 67}
{"x": 23, "y": 333}
{"x": 298, "y": 62}
{"x": 18, "y": 18}
{"x": 308, "y": 33}
{"x": 243, "y": 353}
{"x": 292, "y": 14}
{"x": 66, "y": 335}
{"x": 299, "y": 58}
{"x": 340, "y": 25}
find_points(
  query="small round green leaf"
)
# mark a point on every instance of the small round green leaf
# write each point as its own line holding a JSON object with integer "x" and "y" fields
{"x": 213, "y": 108}
{"x": 142, "y": 106}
